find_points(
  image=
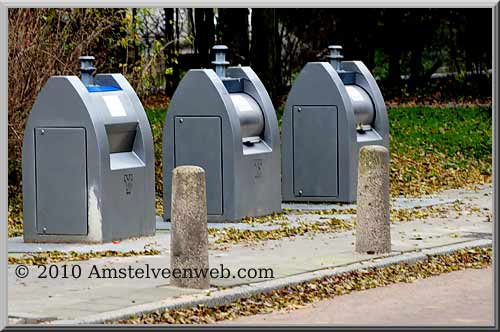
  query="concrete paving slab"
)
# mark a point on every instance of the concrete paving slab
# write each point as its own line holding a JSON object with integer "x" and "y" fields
{"x": 134, "y": 297}
{"x": 166, "y": 226}
{"x": 317, "y": 206}
{"x": 296, "y": 218}
{"x": 63, "y": 311}
{"x": 16, "y": 245}
{"x": 410, "y": 203}
{"x": 398, "y": 203}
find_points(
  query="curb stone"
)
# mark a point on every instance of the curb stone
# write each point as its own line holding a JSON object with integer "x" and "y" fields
{"x": 28, "y": 319}
{"x": 226, "y": 296}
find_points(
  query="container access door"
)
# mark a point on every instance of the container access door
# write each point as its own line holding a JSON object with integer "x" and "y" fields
{"x": 61, "y": 168}
{"x": 198, "y": 142}
{"x": 315, "y": 158}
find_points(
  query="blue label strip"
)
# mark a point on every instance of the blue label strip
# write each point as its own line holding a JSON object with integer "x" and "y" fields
{"x": 102, "y": 88}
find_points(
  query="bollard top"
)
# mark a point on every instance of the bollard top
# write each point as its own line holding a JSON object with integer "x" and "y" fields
{"x": 374, "y": 149}
{"x": 188, "y": 169}
{"x": 372, "y": 158}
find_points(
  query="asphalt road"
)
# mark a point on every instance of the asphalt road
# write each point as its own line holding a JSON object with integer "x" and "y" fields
{"x": 457, "y": 298}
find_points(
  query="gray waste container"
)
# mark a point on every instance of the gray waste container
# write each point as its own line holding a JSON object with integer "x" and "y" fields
{"x": 332, "y": 110}
{"x": 225, "y": 123}
{"x": 88, "y": 162}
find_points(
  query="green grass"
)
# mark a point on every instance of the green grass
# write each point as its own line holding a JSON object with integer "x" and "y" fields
{"x": 156, "y": 115}
{"x": 452, "y": 131}
{"x": 438, "y": 148}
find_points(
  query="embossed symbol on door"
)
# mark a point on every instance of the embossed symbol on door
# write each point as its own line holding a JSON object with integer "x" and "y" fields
{"x": 129, "y": 180}
{"x": 258, "y": 167}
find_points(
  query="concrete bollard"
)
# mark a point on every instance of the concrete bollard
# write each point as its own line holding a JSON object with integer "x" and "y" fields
{"x": 189, "y": 241}
{"x": 373, "y": 228}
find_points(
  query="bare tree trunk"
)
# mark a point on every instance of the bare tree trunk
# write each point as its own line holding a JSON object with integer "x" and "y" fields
{"x": 168, "y": 33}
{"x": 394, "y": 66}
{"x": 204, "y": 35}
{"x": 392, "y": 27}
{"x": 416, "y": 68}
{"x": 176, "y": 71}
{"x": 233, "y": 32}
{"x": 264, "y": 47}
{"x": 192, "y": 24}
{"x": 136, "y": 47}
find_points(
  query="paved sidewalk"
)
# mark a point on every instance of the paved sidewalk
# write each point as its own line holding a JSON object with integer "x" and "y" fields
{"x": 37, "y": 299}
